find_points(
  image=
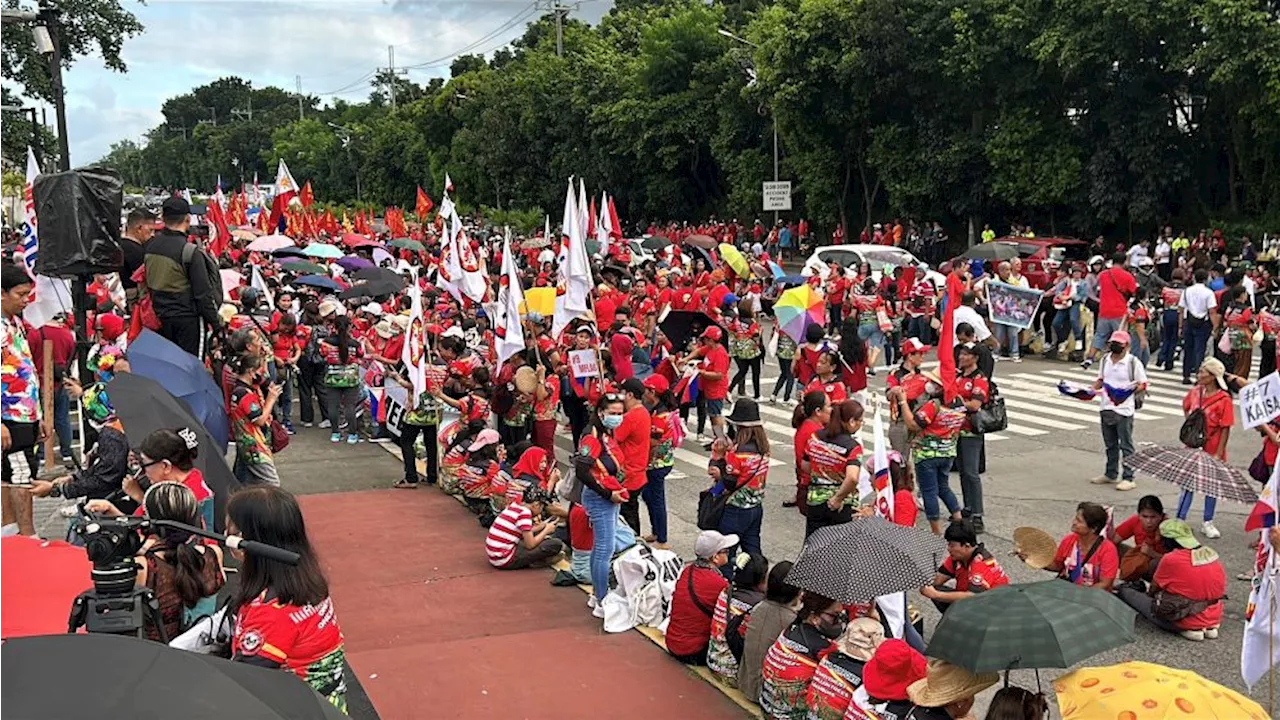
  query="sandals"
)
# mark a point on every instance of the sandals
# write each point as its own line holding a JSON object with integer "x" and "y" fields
{"x": 405, "y": 485}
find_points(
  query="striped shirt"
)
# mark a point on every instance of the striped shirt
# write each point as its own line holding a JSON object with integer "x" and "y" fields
{"x": 505, "y": 532}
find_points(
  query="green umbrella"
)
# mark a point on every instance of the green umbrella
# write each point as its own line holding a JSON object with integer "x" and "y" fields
{"x": 302, "y": 267}
{"x": 407, "y": 244}
{"x": 1050, "y": 624}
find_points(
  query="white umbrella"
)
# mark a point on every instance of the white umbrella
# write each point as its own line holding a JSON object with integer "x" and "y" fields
{"x": 270, "y": 243}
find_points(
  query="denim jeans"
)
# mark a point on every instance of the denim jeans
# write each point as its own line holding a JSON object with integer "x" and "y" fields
{"x": 745, "y": 523}
{"x": 1102, "y": 329}
{"x": 786, "y": 382}
{"x": 969, "y": 456}
{"x": 918, "y": 327}
{"x": 1168, "y": 339}
{"x": 932, "y": 479}
{"x": 1007, "y": 336}
{"x": 1118, "y": 439}
{"x": 872, "y": 335}
{"x": 1184, "y": 505}
{"x": 1063, "y": 318}
{"x": 654, "y": 494}
{"x": 1195, "y": 334}
{"x": 603, "y": 514}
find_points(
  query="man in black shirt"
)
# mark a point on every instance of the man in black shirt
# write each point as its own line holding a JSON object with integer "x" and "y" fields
{"x": 139, "y": 226}
{"x": 965, "y": 335}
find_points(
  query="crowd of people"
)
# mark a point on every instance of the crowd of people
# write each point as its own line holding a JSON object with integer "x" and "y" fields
{"x": 674, "y": 341}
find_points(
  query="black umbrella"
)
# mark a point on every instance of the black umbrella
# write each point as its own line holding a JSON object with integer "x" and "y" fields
{"x": 289, "y": 252}
{"x": 144, "y": 406}
{"x": 681, "y": 326}
{"x": 118, "y": 677}
{"x": 696, "y": 252}
{"x": 992, "y": 251}
{"x": 657, "y": 242}
{"x": 858, "y": 561}
{"x": 372, "y": 289}
{"x": 379, "y": 273}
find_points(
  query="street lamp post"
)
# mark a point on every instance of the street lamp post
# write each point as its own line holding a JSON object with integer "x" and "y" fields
{"x": 49, "y": 44}
{"x": 748, "y": 43}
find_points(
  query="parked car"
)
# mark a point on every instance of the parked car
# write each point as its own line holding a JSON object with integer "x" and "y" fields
{"x": 1042, "y": 256}
{"x": 639, "y": 255}
{"x": 850, "y": 257}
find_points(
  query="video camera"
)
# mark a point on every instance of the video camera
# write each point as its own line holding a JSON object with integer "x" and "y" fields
{"x": 115, "y": 604}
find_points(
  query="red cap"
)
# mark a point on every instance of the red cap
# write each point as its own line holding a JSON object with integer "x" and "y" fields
{"x": 657, "y": 383}
{"x": 111, "y": 326}
{"x": 913, "y": 345}
{"x": 712, "y": 333}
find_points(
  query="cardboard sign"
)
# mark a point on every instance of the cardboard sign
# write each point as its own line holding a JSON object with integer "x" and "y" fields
{"x": 1260, "y": 401}
{"x": 582, "y": 363}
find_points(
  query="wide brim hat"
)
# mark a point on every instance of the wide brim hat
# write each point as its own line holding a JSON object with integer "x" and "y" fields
{"x": 1038, "y": 547}
{"x": 746, "y": 413}
{"x": 945, "y": 683}
{"x": 892, "y": 669}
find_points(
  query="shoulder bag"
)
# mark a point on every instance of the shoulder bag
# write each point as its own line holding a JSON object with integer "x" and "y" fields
{"x": 992, "y": 416}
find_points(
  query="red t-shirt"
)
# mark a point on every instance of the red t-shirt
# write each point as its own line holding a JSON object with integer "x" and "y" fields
{"x": 717, "y": 361}
{"x": 980, "y": 574}
{"x": 581, "y": 536}
{"x": 304, "y": 640}
{"x": 834, "y": 390}
{"x": 904, "y": 508}
{"x": 1132, "y": 528}
{"x": 1177, "y": 574}
{"x": 606, "y": 308}
{"x": 715, "y": 298}
{"x": 689, "y": 630}
{"x": 1105, "y": 562}
{"x": 1115, "y": 287}
{"x": 801, "y": 444}
{"x": 633, "y": 438}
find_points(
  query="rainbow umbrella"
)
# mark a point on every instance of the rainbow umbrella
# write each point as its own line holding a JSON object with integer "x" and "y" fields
{"x": 734, "y": 259}
{"x": 797, "y": 309}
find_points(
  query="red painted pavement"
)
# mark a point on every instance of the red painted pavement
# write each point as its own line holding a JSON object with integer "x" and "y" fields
{"x": 450, "y": 637}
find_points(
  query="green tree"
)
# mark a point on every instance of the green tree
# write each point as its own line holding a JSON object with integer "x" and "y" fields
{"x": 86, "y": 27}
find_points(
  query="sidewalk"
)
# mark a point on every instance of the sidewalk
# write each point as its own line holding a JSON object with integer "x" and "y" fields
{"x": 433, "y": 630}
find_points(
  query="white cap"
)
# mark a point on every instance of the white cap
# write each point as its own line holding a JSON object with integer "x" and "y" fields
{"x": 372, "y": 308}
{"x": 710, "y": 542}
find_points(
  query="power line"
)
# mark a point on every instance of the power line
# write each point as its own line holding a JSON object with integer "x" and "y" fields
{"x": 346, "y": 88}
{"x": 520, "y": 17}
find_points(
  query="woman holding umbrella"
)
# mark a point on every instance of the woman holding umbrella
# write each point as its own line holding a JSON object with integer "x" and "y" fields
{"x": 835, "y": 462}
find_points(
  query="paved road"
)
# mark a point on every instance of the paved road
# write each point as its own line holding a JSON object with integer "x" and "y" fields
{"x": 1038, "y": 471}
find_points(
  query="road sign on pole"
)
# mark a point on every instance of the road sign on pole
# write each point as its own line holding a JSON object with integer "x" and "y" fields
{"x": 777, "y": 195}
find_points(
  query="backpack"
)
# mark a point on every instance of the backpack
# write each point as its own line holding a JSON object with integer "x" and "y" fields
{"x": 1194, "y": 432}
{"x": 144, "y": 313}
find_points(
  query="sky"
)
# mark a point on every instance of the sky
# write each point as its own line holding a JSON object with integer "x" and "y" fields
{"x": 332, "y": 45}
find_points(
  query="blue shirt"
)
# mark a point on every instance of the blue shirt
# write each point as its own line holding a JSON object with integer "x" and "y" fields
{"x": 784, "y": 237}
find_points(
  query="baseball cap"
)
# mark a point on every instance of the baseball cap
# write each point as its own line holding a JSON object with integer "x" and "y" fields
{"x": 633, "y": 386}
{"x": 710, "y": 542}
{"x": 913, "y": 345}
{"x": 657, "y": 383}
{"x": 485, "y": 438}
{"x": 1179, "y": 532}
{"x": 712, "y": 333}
{"x": 1119, "y": 336}
{"x": 175, "y": 207}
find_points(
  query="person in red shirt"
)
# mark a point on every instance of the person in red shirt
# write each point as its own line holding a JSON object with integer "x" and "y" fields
{"x": 1084, "y": 556}
{"x": 826, "y": 380}
{"x": 1115, "y": 286}
{"x": 713, "y": 377}
{"x": 969, "y": 564}
{"x": 837, "y": 286}
{"x": 1144, "y": 527}
{"x": 63, "y": 343}
{"x": 1188, "y": 570}
{"x": 696, "y": 593}
{"x": 812, "y": 413}
{"x": 1210, "y": 396}
{"x": 286, "y": 344}
{"x": 633, "y": 437}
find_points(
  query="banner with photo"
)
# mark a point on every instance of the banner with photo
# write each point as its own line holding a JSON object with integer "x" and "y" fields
{"x": 1011, "y": 305}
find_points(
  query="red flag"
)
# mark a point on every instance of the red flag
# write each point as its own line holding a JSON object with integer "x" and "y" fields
{"x": 308, "y": 224}
{"x": 423, "y": 207}
{"x": 591, "y": 219}
{"x": 615, "y": 226}
{"x": 219, "y": 233}
{"x": 307, "y": 197}
{"x": 262, "y": 222}
{"x": 946, "y": 339}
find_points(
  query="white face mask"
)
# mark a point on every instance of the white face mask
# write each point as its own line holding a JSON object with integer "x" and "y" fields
{"x": 932, "y": 388}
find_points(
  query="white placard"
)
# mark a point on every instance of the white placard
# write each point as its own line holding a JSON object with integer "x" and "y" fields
{"x": 396, "y": 397}
{"x": 1260, "y": 401}
{"x": 582, "y": 363}
{"x": 777, "y": 195}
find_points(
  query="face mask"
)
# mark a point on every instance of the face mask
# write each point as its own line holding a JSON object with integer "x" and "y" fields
{"x": 831, "y": 631}
{"x": 611, "y": 422}
{"x": 932, "y": 388}
{"x": 1116, "y": 347}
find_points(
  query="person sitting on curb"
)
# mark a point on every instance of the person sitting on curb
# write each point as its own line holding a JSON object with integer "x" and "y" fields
{"x": 694, "y": 600}
{"x": 1187, "y": 589}
{"x": 947, "y": 691}
{"x": 839, "y": 675}
{"x": 520, "y": 538}
{"x": 973, "y": 568}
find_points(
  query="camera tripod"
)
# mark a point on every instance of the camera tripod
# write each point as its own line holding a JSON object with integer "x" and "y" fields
{"x": 117, "y": 612}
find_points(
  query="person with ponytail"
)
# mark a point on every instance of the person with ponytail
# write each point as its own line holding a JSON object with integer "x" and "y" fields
{"x": 811, "y": 415}
{"x": 184, "y": 573}
{"x": 250, "y": 415}
{"x": 835, "y": 462}
{"x": 341, "y": 378}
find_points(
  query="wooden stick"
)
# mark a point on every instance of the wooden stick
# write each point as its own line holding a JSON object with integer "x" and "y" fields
{"x": 46, "y": 399}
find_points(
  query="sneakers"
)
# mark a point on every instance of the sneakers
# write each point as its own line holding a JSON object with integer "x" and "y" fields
{"x": 1193, "y": 635}
{"x": 598, "y": 612}
{"x": 676, "y": 475}
{"x": 1126, "y": 485}
{"x": 353, "y": 439}
{"x": 1102, "y": 480}
{"x": 1211, "y": 633}
{"x": 288, "y": 427}
{"x": 773, "y": 399}
{"x": 1086, "y": 364}
{"x": 307, "y": 424}
{"x": 324, "y": 423}
{"x": 335, "y": 437}
{"x": 1210, "y": 531}
{"x": 1016, "y": 358}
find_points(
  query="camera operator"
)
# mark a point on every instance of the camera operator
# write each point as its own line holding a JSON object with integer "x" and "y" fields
{"x": 284, "y": 617}
{"x": 106, "y": 463}
{"x": 165, "y": 456}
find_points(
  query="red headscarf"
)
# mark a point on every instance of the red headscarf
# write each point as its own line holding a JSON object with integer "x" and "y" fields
{"x": 620, "y": 346}
{"x": 534, "y": 464}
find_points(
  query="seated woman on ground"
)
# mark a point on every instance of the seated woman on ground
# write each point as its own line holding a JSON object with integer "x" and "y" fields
{"x": 480, "y": 477}
{"x": 1137, "y": 561}
{"x": 1084, "y": 557}
{"x": 519, "y": 537}
{"x": 969, "y": 564}
{"x": 184, "y": 573}
{"x": 1187, "y": 587}
{"x": 732, "y": 607}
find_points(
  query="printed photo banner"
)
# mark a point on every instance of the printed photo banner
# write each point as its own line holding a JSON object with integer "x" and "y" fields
{"x": 1010, "y": 305}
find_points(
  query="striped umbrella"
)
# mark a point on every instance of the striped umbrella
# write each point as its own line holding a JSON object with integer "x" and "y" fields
{"x": 1195, "y": 470}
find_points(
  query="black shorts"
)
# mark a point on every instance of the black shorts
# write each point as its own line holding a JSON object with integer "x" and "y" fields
{"x": 19, "y": 461}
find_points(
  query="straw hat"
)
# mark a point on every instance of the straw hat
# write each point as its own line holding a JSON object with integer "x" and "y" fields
{"x": 945, "y": 683}
{"x": 329, "y": 307}
{"x": 1038, "y": 547}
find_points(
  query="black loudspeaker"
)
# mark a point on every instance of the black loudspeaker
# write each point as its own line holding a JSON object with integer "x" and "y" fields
{"x": 78, "y": 222}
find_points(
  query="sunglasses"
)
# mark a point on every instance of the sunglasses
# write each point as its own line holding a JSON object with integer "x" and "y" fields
{"x": 612, "y": 397}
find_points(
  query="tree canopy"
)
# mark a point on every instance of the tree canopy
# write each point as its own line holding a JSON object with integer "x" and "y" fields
{"x": 1078, "y": 117}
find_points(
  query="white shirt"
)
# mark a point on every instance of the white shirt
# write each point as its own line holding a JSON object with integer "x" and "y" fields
{"x": 1164, "y": 251}
{"x": 966, "y": 314}
{"x": 1135, "y": 252}
{"x": 1249, "y": 287}
{"x": 1198, "y": 300}
{"x": 546, "y": 256}
{"x": 1123, "y": 375}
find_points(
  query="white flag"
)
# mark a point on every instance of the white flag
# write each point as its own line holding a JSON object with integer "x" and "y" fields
{"x": 507, "y": 327}
{"x": 566, "y": 228}
{"x": 1260, "y": 650}
{"x": 604, "y": 225}
{"x": 449, "y": 271}
{"x": 414, "y": 353}
{"x": 256, "y": 281}
{"x": 575, "y": 274}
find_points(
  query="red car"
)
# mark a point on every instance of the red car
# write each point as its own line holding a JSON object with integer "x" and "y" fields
{"x": 1042, "y": 256}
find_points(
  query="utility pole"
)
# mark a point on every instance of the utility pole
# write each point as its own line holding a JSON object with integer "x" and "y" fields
{"x": 49, "y": 44}
{"x": 392, "y": 74}
{"x": 298, "y": 80}
{"x": 561, "y": 12}
{"x": 245, "y": 114}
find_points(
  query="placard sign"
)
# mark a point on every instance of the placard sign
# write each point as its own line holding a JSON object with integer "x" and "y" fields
{"x": 396, "y": 397}
{"x": 582, "y": 363}
{"x": 777, "y": 195}
{"x": 1260, "y": 401}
